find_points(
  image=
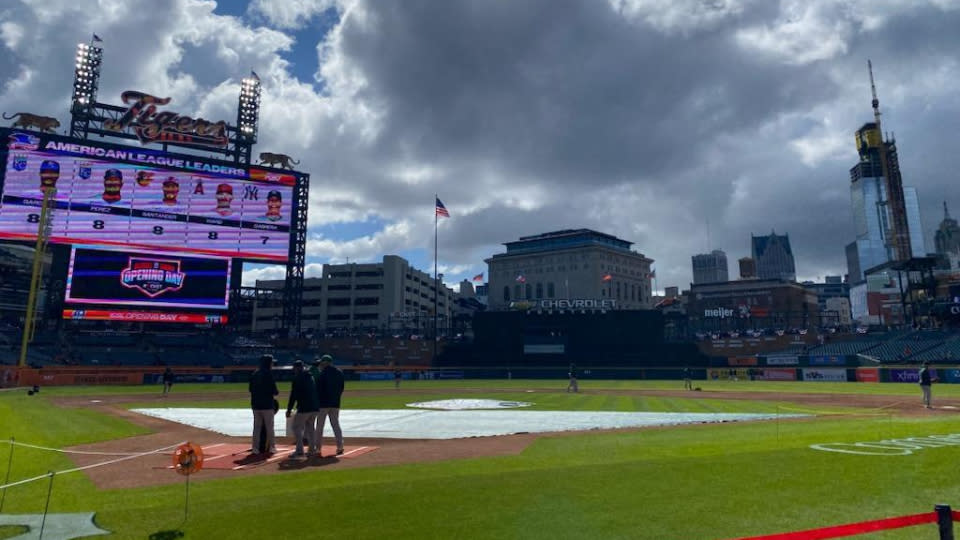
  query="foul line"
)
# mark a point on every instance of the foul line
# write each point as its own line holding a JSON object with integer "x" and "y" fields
{"x": 62, "y": 451}
{"x": 91, "y": 466}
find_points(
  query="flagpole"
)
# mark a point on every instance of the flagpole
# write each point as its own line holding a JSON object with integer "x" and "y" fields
{"x": 436, "y": 286}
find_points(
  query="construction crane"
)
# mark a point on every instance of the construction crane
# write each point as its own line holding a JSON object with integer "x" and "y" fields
{"x": 897, "y": 235}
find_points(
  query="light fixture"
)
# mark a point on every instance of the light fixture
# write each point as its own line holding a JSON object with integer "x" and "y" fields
{"x": 248, "y": 110}
{"x": 86, "y": 77}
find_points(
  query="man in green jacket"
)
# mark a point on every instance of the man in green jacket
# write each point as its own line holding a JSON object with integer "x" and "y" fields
{"x": 303, "y": 395}
{"x": 329, "y": 390}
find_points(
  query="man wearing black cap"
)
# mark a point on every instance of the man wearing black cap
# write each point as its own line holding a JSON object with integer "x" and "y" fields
{"x": 262, "y": 389}
{"x": 303, "y": 395}
{"x": 329, "y": 388}
{"x": 925, "y": 380}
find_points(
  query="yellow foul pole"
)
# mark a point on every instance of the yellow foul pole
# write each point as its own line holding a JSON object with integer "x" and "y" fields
{"x": 39, "y": 249}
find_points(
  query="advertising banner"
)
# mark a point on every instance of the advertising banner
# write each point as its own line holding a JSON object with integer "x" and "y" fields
{"x": 732, "y": 374}
{"x": 143, "y": 316}
{"x": 742, "y": 361}
{"x": 868, "y": 375}
{"x": 904, "y": 375}
{"x": 828, "y": 360}
{"x": 825, "y": 375}
{"x": 778, "y": 374}
{"x": 99, "y": 276}
{"x": 157, "y": 378}
{"x": 782, "y": 360}
{"x": 947, "y": 375}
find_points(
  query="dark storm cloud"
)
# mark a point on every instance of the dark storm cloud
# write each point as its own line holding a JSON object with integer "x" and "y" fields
{"x": 681, "y": 126}
{"x": 579, "y": 103}
{"x": 568, "y": 92}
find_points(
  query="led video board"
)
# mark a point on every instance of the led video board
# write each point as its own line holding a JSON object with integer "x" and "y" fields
{"x": 157, "y": 280}
{"x": 121, "y": 315}
{"x": 110, "y": 195}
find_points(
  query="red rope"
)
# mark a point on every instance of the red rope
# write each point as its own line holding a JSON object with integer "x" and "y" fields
{"x": 851, "y": 529}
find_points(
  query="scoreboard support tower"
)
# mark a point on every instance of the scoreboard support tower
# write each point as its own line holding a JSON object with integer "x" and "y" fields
{"x": 293, "y": 286}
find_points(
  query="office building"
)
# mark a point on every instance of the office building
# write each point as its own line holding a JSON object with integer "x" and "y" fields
{"x": 773, "y": 257}
{"x": 872, "y": 220}
{"x": 574, "y": 265}
{"x": 387, "y": 296}
{"x": 947, "y": 238}
{"x": 748, "y": 268}
{"x": 710, "y": 267}
{"x": 832, "y": 288}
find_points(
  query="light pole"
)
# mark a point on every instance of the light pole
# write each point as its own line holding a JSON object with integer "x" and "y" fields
{"x": 436, "y": 313}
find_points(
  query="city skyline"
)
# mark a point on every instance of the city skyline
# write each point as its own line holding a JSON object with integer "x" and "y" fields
{"x": 525, "y": 119}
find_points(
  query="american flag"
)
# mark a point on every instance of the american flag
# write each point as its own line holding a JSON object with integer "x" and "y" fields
{"x": 607, "y": 277}
{"x": 861, "y": 330}
{"x": 441, "y": 209}
{"x": 478, "y": 277}
{"x": 521, "y": 278}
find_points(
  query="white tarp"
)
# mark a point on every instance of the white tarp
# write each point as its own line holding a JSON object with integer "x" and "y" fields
{"x": 440, "y": 424}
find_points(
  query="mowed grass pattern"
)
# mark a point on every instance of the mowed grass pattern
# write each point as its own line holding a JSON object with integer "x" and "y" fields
{"x": 710, "y": 481}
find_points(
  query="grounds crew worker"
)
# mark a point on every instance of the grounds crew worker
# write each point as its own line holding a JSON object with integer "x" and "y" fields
{"x": 262, "y": 389}
{"x": 303, "y": 395}
{"x": 329, "y": 389}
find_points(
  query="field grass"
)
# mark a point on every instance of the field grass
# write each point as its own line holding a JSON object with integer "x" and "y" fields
{"x": 690, "y": 482}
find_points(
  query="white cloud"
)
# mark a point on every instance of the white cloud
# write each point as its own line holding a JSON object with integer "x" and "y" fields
{"x": 290, "y": 14}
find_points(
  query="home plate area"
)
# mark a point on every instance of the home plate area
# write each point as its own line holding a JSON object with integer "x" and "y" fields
{"x": 237, "y": 456}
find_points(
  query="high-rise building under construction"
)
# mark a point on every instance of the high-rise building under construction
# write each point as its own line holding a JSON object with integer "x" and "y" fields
{"x": 886, "y": 214}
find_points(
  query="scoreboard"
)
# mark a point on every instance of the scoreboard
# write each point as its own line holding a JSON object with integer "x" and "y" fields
{"x": 120, "y": 196}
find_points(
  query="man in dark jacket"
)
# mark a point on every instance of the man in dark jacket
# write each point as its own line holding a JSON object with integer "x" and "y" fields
{"x": 303, "y": 395}
{"x": 329, "y": 388}
{"x": 262, "y": 389}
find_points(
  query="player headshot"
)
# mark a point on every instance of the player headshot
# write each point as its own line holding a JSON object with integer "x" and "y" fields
{"x": 171, "y": 190}
{"x": 224, "y": 199}
{"x": 274, "y": 202}
{"x": 144, "y": 178}
{"x": 49, "y": 173}
{"x": 112, "y": 184}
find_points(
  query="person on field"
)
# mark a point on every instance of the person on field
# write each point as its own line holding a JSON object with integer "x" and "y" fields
{"x": 329, "y": 390}
{"x": 262, "y": 389}
{"x": 925, "y": 381}
{"x": 397, "y": 377}
{"x": 303, "y": 396}
{"x": 687, "y": 382}
{"x": 167, "y": 379}
{"x": 572, "y": 385}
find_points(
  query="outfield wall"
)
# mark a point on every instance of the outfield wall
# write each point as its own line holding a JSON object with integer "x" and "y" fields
{"x": 87, "y": 375}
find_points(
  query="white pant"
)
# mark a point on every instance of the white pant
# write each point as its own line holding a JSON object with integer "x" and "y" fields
{"x": 334, "y": 414}
{"x": 303, "y": 423}
{"x": 263, "y": 420}
{"x": 926, "y": 394}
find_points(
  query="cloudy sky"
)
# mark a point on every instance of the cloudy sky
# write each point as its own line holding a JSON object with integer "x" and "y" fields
{"x": 679, "y": 125}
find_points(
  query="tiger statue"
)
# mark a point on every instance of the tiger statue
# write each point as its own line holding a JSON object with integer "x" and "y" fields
{"x": 285, "y": 161}
{"x": 25, "y": 120}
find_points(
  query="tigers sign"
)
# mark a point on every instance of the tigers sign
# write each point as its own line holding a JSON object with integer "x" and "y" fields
{"x": 151, "y": 125}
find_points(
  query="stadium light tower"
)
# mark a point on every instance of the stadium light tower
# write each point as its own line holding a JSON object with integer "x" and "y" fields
{"x": 86, "y": 76}
{"x": 249, "y": 109}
